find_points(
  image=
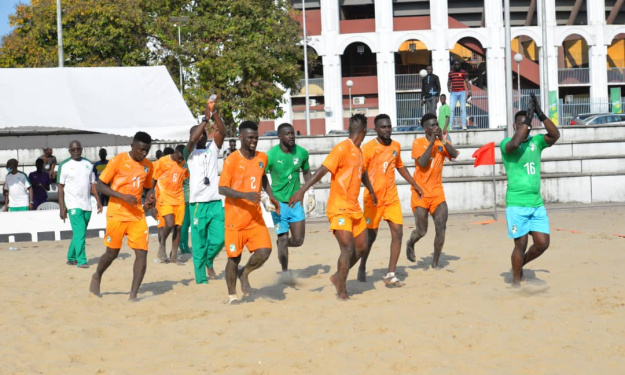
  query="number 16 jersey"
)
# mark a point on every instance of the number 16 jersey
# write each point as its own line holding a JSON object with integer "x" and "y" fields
{"x": 523, "y": 171}
{"x": 243, "y": 175}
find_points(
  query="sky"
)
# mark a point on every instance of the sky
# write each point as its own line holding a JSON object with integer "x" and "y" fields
{"x": 7, "y": 7}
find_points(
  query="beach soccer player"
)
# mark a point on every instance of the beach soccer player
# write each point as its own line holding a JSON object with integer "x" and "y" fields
{"x": 76, "y": 181}
{"x": 284, "y": 163}
{"x": 169, "y": 175}
{"x": 125, "y": 178}
{"x": 345, "y": 163}
{"x": 525, "y": 211}
{"x": 205, "y": 205}
{"x": 382, "y": 156}
{"x": 241, "y": 180}
{"x": 429, "y": 153}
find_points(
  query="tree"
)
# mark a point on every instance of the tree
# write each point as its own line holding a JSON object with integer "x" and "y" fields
{"x": 244, "y": 50}
{"x": 95, "y": 33}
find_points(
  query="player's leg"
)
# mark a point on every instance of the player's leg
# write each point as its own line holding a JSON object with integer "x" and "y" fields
{"x": 231, "y": 276}
{"x": 258, "y": 242}
{"x": 81, "y": 244}
{"x": 518, "y": 223}
{"x": 138, "y": 272}
{"x": 440, "y": 224}
{"x": 216, "y": 236}
{"x": 281, "y": 225}
{"x": 115, "y": 231}
{"x": 517, "y": 259}
{"x": 184, "y": 231}
{"x": 421, "y": 228}
{"x": 175, "y": 240}
{"x": 73, "y": 245}
{"x": 539, "y": 229}
{"x": 346, "y": 243}
{"x": 199, "y": 241}
{"x": 166, "y": 231}
{"x": 372, "y": 234}
{"x": 397, "y": 232}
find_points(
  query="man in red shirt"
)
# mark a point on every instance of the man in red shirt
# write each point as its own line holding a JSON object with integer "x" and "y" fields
{"x": 458, "y": 84}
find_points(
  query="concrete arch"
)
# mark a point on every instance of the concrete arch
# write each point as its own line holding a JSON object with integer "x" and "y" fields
{"x": 398, "y": 41}
{"x": 609, "y": 37}
{"x": 522, "y": 31}
{"x": 316, "y": 44}
{"x": 359, "y": 38}
{"x": 469, "y": 33}
{"x": 574, "y": 30}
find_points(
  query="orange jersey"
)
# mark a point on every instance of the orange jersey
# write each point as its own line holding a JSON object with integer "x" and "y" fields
{"x": 380, "y": 162}
{"x": 345, "y": 163}
{"x": 127, "y": 176}
{"x": 169, "y": 177}
{"x": 430, "y": 178}
{"x": 243, "y": 175}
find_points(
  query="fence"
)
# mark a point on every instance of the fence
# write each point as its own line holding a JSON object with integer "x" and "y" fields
{"x": 568, "y": 110}
{"x": 410, "y": 111}
{"x": 616, "y": 75}
{"x": 573, "y": 76}
{"x": 407, "y": 82}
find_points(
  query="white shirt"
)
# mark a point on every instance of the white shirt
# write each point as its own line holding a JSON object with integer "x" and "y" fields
{"x": 203, "y": 163}
{"x": 17, "y": 185}
{"x": 76, "y": 176}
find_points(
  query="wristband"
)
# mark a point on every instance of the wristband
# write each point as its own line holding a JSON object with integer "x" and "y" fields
{"x": 542, "y": 117}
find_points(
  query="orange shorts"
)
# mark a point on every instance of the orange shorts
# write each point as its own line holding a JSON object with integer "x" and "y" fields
{"x": 164, "y": 210}
{"x": 354, "y": 222}
{"x": 391, "y": 212}
{"x": 136, "y": 233}
{"x": 429, "y": 203}
{"x": 254, "y": 238}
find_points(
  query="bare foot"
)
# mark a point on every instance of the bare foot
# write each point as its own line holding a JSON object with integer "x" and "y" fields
{"x": 94, "y": 287}
{"x": 410, "y": 252}
{"x": 246, "y": 288}
{"x": 211, "y": 273}
{"x": 133, "y": 299}
{"x": 362, "y": 275}
{"x": 522, "y": 275}
{"x": 342, "y": 296}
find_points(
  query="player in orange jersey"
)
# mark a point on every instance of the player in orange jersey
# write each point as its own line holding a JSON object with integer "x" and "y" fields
{"x": 429, "y": 153}
{"x": 345, "y": 163}
{"x": 241, "y": 180}
{"x": 382, "y": 156}
{"x": 169, "y": 175}
{"x": 128, "y": 174}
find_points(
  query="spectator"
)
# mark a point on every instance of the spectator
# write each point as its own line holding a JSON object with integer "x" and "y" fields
{"x": 443, "y": 117}
{"x": 168, "y": 151}
{"x": 232, "y": 147}
{"x": 430, "y": 90}
{"x": 49, "y": 162}
{"x": 18, "y": 193}
{"x": 98, "y": 167}
{"x": 40, "y": 181}
{"x": 458, "y": 84}
{"x": 159, "y": 154}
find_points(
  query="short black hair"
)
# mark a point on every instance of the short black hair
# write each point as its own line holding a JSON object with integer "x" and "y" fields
{"x": 519, "y": 114}
{"x": 39, "y": 161}
{"x": 142, "y": 137}
{"x": 180, "y": 149}
{"x": 233, "y": 140}
{"x": 283, "y": 126}
{"x": 426, "y": 117}
{"x": 248, "y": 125}
{"x": 75, "y": 141}
{"x": 443, "y": 95}
{"x": 357, "y": 123}
{"x": 381, "y": 116}
{"x": 168, "y": 150}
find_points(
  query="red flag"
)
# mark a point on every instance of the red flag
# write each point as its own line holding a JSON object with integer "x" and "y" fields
{"x": 485, "y": 155}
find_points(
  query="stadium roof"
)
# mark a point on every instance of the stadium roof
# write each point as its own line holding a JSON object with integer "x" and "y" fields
{"x": 115, "y": 100}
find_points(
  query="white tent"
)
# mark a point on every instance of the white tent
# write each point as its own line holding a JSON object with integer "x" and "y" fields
{"x": 116, "y": 100}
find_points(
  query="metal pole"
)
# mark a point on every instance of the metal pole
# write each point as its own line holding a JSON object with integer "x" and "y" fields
{"x": 180, "y": 60}
{"x": 544, "y": 86}
{"x": 307, "y": 115}
{"x": 508, "y": 68}
{"x": 59, "y": 32}
{"x": 350, "y": 100}
{"x": 518, "y": 72}
{"x": 494, "y": 193}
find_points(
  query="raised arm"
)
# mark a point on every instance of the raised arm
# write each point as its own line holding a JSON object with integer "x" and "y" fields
{"x": 553, "y": 134}
{"x": 522, "y": 130}
{"x": 424, "y": 159}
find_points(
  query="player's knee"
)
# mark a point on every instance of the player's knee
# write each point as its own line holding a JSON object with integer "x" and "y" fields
{"x": 297, "y": 241}
{"x": 542, "y": 245}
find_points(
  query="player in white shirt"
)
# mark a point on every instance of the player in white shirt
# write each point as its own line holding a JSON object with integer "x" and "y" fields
{"x": 76, "y": 185}
{"x": 18, "y": 193}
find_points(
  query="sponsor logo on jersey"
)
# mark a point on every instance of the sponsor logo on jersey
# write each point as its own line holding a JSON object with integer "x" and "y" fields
{"x": 341, "y": 221}
{"x": 295, "y": 161}
{"x": 232, "y": 248}
{"x": 261, "y": 165}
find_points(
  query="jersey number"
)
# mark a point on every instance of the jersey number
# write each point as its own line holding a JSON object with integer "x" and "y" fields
{"x": 175, "y": 177}
{"x": 530, "y": 168}
{"x": 385, "y": 166}
{"x": 253, "y": 182}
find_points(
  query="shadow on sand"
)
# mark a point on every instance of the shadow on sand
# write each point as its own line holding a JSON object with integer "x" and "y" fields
{"x": 277, "y": 290}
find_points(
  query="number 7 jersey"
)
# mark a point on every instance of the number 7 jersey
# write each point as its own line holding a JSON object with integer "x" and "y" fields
{"x": 523, "y": 171}
{"x": 243, "y": 175}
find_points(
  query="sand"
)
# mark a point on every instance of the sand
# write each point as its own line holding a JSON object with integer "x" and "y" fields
{"x": 567, "y": 318}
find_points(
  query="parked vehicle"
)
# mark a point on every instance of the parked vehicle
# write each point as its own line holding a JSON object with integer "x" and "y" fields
{"x": 599, "y": 119}
{"x": 338, "y": 132}
{"x": 408, "y": 128}
{"x": 270, "y": 133}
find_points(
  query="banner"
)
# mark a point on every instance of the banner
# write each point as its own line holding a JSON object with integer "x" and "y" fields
{"x": 615, "y": 99}
{"x": 553, "y": 106}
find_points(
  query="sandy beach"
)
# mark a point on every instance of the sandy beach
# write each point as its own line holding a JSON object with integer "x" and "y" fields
{"x": 567, "y": 318}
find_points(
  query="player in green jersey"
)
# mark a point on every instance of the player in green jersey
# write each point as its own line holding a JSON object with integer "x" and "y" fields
{"x": 525, "y": 212}
{"x": 285, "y": 160}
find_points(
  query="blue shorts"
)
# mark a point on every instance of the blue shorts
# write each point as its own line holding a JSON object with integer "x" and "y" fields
{"x": 522, "y": 220}
{"x": 287, "y": 215}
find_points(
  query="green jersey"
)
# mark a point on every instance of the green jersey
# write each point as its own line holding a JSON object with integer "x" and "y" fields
{"x": 443, "y": 112}
{"x": 523, "y": 170}
{"x": 284, "y": 170}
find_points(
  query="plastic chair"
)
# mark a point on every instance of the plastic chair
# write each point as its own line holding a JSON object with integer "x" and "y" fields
{"x": 48, "y": 206}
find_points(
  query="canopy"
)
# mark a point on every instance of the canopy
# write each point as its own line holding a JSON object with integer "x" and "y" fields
{"x": 115, "y": 100}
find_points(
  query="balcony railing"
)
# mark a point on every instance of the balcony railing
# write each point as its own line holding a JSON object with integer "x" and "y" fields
{"x": 314, "y": 87}
{"x": 616, "y": 75}
{"x": 573, "y": 76}
{"x": 407, "y": 82}
{"x": 410, "y": 111}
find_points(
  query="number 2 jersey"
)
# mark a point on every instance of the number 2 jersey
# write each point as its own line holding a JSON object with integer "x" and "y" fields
{"x": 523, "y": 170}
{"x": 243, "y": 175}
